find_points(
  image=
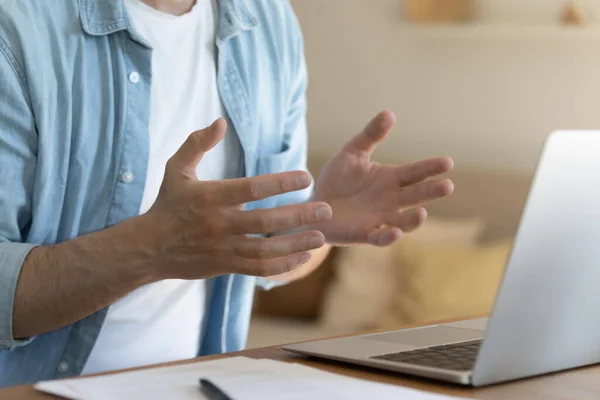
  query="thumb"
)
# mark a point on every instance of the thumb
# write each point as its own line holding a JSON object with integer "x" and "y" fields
{"x": 191, "y": 152}
{"x": 374, "y": 132}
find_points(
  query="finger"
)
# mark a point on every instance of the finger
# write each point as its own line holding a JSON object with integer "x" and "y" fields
{"x": 397, "y": 224}
{"x": 278, "y": 246}
{"x": 384, "y": 236}
{"x": 188, "y": 156}
{"x": 373, "y": 133}
{"x": 412, "y": 173}
{"x": 407, "y": 221}
{"x": 394, "y": 226}
{"x": 280, "y": 218}
{"x": 245, "y": 190}
{"x": 272, "y": 267}
{"x": 424, "y": 192}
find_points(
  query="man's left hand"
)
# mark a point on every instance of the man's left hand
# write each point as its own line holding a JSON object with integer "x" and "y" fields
{"x": 375, "y": 203}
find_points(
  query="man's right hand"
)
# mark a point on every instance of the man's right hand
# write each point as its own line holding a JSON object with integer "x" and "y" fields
{"x": 198, "y": 229}
{"x": 194, "y": 230}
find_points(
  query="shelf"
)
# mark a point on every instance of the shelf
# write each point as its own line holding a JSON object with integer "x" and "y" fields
{"x": 486, "y": 31}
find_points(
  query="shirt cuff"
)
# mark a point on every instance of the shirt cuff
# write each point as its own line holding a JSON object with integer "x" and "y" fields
{"x": 268, "y": 284}
{"x": 12, "y": 256}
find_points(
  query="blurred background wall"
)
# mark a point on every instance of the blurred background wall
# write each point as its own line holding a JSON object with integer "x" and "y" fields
{"x": 485, "y": 91}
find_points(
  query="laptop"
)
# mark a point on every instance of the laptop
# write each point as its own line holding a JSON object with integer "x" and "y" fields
{"x": 546, "y": 315}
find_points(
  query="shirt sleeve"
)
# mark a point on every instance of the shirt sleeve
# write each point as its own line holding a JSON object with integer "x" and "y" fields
{"x": 18, "y": 149}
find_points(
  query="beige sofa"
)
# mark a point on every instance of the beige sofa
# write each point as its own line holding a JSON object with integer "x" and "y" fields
{"x": 347, "y": 288}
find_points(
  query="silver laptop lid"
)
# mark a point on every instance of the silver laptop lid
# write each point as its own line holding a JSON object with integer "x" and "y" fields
{"x": 547, "y": 311}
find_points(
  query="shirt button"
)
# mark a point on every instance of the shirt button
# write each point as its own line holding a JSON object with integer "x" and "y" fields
{"x": 134, "y": 77}
{"x": 62, "y": 367}
{"x": 127, "y": 177}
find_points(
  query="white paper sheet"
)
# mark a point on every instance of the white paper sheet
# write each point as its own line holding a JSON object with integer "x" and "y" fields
{"x": 241, "y": 378}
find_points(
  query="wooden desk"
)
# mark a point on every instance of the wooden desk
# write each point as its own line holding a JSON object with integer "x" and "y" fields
{"x": 583, "y": 383}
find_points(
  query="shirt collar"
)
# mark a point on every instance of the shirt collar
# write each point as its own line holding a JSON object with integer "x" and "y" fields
{"x": 103, "y": 17}
{"x": 234, "y": 16}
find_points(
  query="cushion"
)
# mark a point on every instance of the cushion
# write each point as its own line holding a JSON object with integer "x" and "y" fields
{"x": 363, "y": 287}
{"x": 443, "y": 281}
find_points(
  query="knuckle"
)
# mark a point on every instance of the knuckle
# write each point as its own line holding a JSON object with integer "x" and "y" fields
{"x": 262, "y": 249}
{"x": 203, "y": 197}
{"x": 214, "y": 250}
{"x": 189, "y": 239}
{"x": 299, "y": 245}
{"x": 210, "y": 228}
{"x": 432, "y": 189}
{"x": 214, "y": 227}
{"x": 264, "y": 223}
{"x": 282, "y": 185}
{"x": 207, "y": 194}
{"x": 222, "y": 223}
{"x": 189, "y": 212}
{"x": 226, "y": 221}
{"x": 303, "y": 245}
{"x": 197, "y": 138}
{"x": 253, "y": 190}
{"x": 307, "y": 216}
{"x": 299, "y": 218}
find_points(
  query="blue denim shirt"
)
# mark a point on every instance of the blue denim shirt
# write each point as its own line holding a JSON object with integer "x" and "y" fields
{"x": 74, "y": 118}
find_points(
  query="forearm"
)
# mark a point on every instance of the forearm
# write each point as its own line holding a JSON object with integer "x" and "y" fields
{"x": 61, "y": 284}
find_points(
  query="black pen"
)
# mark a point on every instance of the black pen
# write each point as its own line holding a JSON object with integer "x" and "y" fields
{"x": 211, "y": 391}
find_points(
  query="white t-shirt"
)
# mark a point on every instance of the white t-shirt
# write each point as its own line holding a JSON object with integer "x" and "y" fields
{"x": 162, "y": 322}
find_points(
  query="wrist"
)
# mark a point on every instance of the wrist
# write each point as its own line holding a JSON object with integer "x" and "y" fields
{"x": 125, "y": 248}
{"x": 139, "y": 242}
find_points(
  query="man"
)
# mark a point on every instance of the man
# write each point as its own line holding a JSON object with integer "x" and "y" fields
{"x": 129, "y": 237}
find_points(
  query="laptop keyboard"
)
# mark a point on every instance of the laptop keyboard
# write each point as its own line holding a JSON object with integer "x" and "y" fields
{"x": 456, "y": 356}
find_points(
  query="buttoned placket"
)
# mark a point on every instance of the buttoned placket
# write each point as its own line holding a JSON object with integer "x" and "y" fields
{"x": 133, "y": 148}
